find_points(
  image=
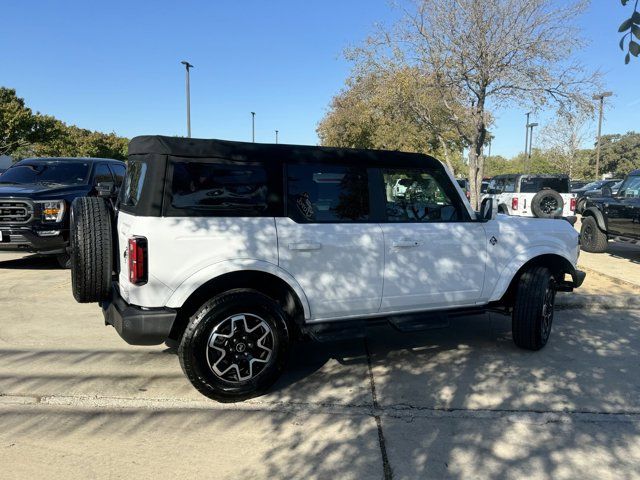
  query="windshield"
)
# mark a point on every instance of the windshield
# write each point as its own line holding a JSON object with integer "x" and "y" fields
{"x": 61, "y": 173}
{"x": 535, "y": 184}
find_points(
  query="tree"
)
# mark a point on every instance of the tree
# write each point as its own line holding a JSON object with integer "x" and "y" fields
{"x": 619, "y": 154}
{"x": 563, "y": 139}
{"x": 487, "y": 55}
{"x": 631, "y": 28}
{"x": 19, "y": 126}
{"x": 393, "y": 110}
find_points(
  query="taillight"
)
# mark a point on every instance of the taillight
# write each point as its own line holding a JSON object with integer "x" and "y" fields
{"x": 573, "y": 204}
{"x": 138, "y": 265}
{"x": 514, "y": 203}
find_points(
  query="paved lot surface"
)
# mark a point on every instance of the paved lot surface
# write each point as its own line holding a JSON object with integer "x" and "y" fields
{"x": 462, "y": 402}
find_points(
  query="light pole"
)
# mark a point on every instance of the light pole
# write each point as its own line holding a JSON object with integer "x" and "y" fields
{"x": 530, "y": 125}
{"x": 187, "y": 65}
{"x": 600, "y": 97}
{"x": 276, "y": 137}
{"x": 253, "y": 127}
{"x": 526, "y": 134}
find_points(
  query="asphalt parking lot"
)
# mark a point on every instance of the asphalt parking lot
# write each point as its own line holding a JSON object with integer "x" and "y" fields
{"x": 461, "y": 402}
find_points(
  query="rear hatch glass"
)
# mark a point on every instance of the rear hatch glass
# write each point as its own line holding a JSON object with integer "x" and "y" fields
{"x": 535, "y": 184}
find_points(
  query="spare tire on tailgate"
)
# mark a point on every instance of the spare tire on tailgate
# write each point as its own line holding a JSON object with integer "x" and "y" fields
{"x": 547, "y": 203}
{"x": 91, "y": 249}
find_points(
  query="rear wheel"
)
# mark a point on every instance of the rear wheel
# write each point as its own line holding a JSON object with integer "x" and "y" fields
{"x": 235, "y": 346}
{"x": 592, "y": 239}
{"x": 533, "y": 309}
{"x": 91, "y": 249}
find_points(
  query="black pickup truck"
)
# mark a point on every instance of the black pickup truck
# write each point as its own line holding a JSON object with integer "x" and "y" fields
{"x": 36, "y": 196}
{"x": 612, "y": 217}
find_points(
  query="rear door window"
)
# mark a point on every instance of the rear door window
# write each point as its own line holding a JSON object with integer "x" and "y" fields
{"x": 327, "y": 193}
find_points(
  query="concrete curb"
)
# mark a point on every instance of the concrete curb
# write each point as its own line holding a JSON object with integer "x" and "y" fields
{"x": 607, "y": 302}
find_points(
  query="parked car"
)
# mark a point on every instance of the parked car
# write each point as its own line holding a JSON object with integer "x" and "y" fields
{"x": 35, "y": 197}
{"x": 612, "y": 216}
{"x": 577, "y": 184}
{"x": 289, "y": 241}
{"x": 593, "y": 189}
{"x": 542, "y": 196}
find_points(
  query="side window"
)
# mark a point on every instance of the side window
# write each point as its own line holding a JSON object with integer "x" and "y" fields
{"x": 509, "y": 185}
{"x": 102, "y": 174}
{"x": 414, "y": 195}
{"x": 118, "y": 172}
{"x": 220, "y": 189}
{"x": 496, "y": 186}
{"x": 630, "y": 188}
{"x": 327, "y": 193}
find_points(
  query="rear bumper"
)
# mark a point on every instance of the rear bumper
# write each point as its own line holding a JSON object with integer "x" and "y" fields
{"x": 28, "y": 240}
{"x": 137, "y": 325}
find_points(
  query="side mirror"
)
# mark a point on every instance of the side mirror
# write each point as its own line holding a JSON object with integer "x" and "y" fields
{"x": 607, "y": 192}
{"x": 106, "y": 189}
{"x": 488, "y": 209}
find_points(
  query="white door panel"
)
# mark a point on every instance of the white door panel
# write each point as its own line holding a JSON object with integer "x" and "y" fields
{"x": 428, "y": 265}
{"x": 339, "y": 266}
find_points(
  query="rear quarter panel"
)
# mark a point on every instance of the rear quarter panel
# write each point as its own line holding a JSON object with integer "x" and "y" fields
{"x": 179, "y": 247}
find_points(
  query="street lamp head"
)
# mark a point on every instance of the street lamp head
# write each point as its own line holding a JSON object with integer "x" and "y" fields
{"x": 186, "y": 64}
{"x": 533, "y": 125}
{"x": 602, "y": 95}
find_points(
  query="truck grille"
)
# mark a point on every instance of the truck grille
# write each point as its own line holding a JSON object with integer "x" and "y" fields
{"x": 15, "y": 211}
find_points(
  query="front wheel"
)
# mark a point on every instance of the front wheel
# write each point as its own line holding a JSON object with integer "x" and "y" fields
{"x": 533, "y": 309}
{"x": 235, "y": 346}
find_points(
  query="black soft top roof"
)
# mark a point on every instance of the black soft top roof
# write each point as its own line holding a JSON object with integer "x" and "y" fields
{"x": 264, "y": 152}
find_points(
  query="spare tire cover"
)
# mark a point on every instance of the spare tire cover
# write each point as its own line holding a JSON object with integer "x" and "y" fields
{"x": 547, "y": 204}
{"x": 91, "y": 249}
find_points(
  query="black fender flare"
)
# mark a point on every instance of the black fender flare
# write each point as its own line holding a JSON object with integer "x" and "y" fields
{"x": 597, "y": 214}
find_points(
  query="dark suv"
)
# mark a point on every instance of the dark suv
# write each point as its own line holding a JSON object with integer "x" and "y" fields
{"x": 36, "y": 195}
{"x": 612, "y": 217}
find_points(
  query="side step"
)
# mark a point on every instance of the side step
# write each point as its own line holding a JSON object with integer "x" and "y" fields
{"x": 334, "y": 331}
{"x": 417, "y": 322}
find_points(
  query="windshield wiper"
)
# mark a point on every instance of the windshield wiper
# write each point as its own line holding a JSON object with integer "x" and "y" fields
{"x": 10, "y": 183}
{"x": 48, "y": 182}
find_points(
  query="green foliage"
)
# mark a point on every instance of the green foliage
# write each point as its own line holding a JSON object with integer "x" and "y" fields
{"x": 19, "y": 126}
{"x": 24, "y": 134}
{"x": 619, "y": 154}
{"x": 631, "y": 28}
{"x": 394, "y": 110}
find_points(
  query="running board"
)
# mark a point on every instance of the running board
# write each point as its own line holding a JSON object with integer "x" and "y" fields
{"x": 411, "y": 322}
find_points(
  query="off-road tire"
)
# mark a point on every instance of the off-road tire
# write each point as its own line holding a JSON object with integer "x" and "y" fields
{"x": 536, "y": 204}
{"x": 192, "y": 351}
{"x": 528, "y": 322}
{"x": 581, "y": 203}
{"x": 592, "y": 239}
{"x": 91, "y": 249}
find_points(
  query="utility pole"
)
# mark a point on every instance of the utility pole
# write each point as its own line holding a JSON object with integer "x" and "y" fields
{"x": 600, "y": 97}
{"x": 253, "y": 126}
{"x": 530, "y": 125}
{"x": 276, "y": 137}
{"x": 188, "y": 66}
{"x": 526, "y": 140}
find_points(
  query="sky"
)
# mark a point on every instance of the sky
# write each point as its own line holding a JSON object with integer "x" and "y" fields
{"x": 115, "y": 66}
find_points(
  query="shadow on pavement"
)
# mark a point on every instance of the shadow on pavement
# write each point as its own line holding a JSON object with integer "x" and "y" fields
{"x": 31, "y": 262}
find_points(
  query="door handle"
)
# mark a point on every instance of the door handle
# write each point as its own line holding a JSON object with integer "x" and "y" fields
{"x": 405, "y": 243}
{"x": 305, "y": 246}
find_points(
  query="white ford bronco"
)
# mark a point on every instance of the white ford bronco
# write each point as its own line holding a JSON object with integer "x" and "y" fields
{"x": 234, "y": 250}
{"x": 541, "y": 196}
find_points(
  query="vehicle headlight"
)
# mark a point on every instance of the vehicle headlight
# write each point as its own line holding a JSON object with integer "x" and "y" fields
{"x": 52, "y": 210}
